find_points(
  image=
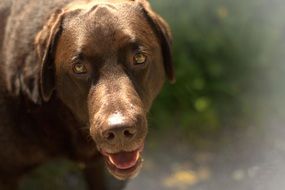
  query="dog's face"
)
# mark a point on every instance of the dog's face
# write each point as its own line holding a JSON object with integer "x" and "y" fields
{"x": 107, "y": 62}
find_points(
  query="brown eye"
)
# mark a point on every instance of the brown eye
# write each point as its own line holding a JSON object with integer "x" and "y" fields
{"x": 79, "y": 68}
{"x": 139, "y": 58}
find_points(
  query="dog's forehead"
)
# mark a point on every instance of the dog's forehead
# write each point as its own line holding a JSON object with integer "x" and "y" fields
{"x": 108, "y": 25}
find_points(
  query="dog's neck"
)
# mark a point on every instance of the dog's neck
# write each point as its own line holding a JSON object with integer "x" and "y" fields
{"x": 57, "y": 130}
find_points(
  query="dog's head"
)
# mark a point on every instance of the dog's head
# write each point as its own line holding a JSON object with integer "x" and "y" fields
{"x": 107, "y": 61}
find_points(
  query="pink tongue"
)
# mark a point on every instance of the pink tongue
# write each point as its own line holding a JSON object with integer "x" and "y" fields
{"x": 124, "y": 160}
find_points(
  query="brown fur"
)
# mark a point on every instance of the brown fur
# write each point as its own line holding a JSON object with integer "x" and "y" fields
{"x": 46, "y": 110}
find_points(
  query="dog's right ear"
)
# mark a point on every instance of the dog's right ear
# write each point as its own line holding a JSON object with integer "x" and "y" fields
{"x": 163, "y": 33}
{"x": 45, "y": 43}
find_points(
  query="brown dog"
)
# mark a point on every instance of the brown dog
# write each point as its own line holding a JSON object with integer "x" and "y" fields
{"x": 71, "y": 70}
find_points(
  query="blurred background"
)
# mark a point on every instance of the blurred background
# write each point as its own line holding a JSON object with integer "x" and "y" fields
{"x": 221, "y": 125}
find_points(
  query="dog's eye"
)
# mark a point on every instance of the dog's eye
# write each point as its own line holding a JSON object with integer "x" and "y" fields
{"x": 139, "y": 58}
{"x": 79, "y": 68}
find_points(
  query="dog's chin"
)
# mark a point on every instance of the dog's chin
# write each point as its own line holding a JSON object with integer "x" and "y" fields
{"x": 124, "y": 165}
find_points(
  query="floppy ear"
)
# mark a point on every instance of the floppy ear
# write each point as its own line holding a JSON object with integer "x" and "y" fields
{"x": 163, "y": 33}
{"x": 45, "y": 43}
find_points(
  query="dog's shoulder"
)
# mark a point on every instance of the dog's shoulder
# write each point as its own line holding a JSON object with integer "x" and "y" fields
{"x": 5, "y": 7}
{"x": 22, "y": 21}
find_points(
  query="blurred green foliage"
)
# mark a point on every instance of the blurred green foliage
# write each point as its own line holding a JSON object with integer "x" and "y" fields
{"x": 223, "y": 52}
{"x": 56, "y": 174}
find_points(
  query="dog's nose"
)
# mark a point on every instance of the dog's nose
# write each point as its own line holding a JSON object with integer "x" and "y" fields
{"x": 119, "y": 133}
{"x": 118, "y": 129}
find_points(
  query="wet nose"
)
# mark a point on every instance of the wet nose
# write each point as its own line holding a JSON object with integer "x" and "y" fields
{"x": 119, "y": 129}
{"x": 119, "y": 133}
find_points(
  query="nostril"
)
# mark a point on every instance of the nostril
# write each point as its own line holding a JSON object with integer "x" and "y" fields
{"x": 110, "y": 136}
{"x": 129, "y": 133}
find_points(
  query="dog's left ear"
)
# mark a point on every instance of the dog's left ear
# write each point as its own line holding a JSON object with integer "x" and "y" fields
{"x": 163, "y": 33}
{"x": 45, "y": 43}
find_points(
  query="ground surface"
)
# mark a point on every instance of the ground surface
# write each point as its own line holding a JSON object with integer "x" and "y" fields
{"x": 243, "y": 159}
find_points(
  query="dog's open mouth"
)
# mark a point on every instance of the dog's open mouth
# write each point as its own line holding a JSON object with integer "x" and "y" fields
{"x": 123, "y": 165}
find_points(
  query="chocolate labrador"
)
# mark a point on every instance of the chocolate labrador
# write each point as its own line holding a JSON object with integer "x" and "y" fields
{"x": 77, "y": 81}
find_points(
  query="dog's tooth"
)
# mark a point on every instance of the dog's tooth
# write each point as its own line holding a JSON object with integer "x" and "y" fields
{"x": 111, "y": 160}
{"x": 137, "y": 156}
